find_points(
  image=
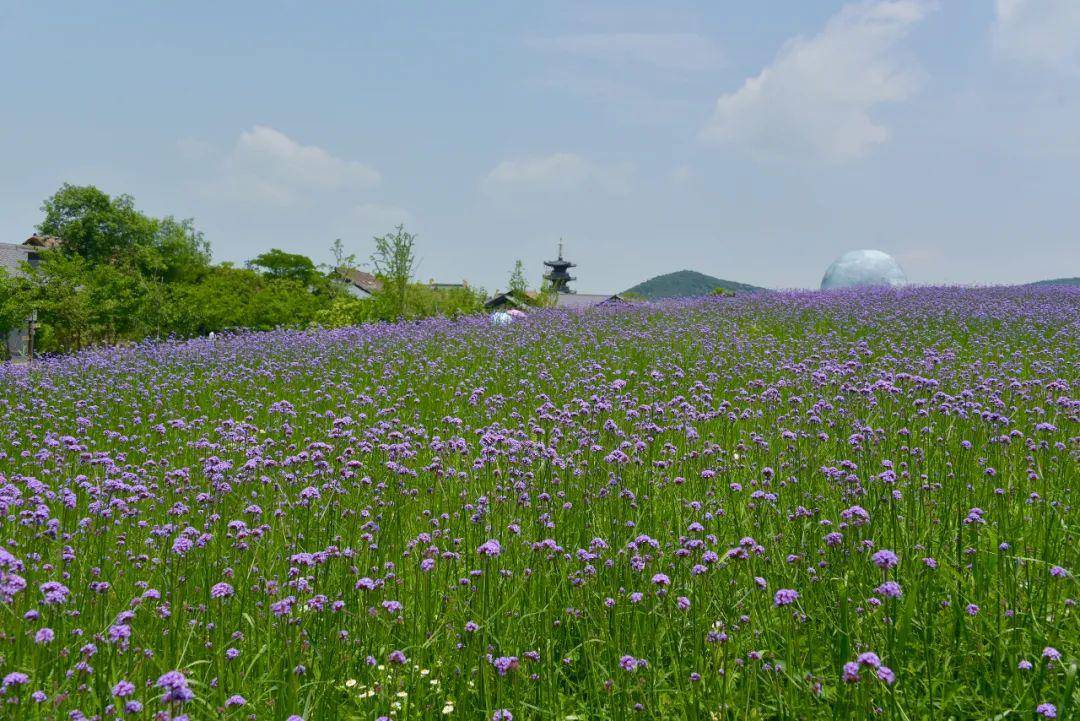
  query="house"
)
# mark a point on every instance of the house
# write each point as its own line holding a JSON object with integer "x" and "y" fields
{"x": 19, "y": 343}
{"x": 507, "y": 300}
{"x": 358, "y": 283}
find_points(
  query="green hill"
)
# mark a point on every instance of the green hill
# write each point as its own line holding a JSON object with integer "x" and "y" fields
{"x": 686, "y": 283}
{"x": 1057, "y": 281}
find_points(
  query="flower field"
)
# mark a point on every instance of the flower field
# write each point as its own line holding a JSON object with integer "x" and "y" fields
{"x": 782, "y": 506}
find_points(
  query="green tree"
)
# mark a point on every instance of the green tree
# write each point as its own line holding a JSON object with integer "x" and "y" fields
{"x": 517, "y": 284}
{"x": 395, "y": 260}
{"x": 95, "y": 226}
{"x": 341, "y": 258}
{"x": 279, "y": 264}
{"x": 15, "y": 306}
{"x": 178, "y": 252}
{"x": 64, "y": 305}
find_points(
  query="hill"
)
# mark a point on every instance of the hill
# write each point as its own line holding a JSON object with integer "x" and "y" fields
{"x": 686, "y": 283}
{"x": 1057, "y": 281}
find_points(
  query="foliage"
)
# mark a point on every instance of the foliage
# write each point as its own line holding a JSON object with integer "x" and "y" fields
{"x": 342, "y": 259}
{"x": 517, "y": 284}
{"x": 15, "y": 306}
{"x": 122, "y": 275}
{"x": 230, "y": 298}
{"x": 292, "y": 266}
{"x": 394, "y": 259}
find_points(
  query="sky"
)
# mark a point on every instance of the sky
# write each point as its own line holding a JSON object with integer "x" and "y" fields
{"x": 753, "y": 141}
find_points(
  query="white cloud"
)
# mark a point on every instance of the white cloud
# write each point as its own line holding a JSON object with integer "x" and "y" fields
{"x": 556, "y": 173}
{"x": 816, "y": 96}
{"x": 266, "y": 165}
{"x": 1039, "y": 32}
{"x": 668, "y": 51}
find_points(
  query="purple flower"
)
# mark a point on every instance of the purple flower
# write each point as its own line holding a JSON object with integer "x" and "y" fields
{"x": 785, "y": 597}
{"x": 55, "y": 593}
{"x": 175, "y": 686}
{"x": 15, "y": 678}
{"x": 123, "y": 689}
{"x": 1046, "y": 710}
{"x": 221, "y": 590}
{"x": 890, "y": 589}
{"x": 868, "y": 659}
{"x": 1051, "y": 653}
{"x": 397, "y": 657}
{"x": 886, "y": 674}
{"x": 235, "y": 700}
{"x": 661, "y": 580}
{"x": 44, "y": 636}
{"x": 885, "y": 559}
{"x": 972, "y": 609}
{"x": 490, "y": 548}
{"x": 502, "y": 715}
{"x": 505, "y": 664}
{"x": 851, "y": 672}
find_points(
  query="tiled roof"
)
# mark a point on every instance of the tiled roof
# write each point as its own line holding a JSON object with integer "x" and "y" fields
{"x": 364, "y": 281}
{"x": 12, "y": 257}
{"x": 585, "y": 300}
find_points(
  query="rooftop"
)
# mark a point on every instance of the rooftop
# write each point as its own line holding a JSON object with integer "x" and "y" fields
{"x": 577, "y": 301}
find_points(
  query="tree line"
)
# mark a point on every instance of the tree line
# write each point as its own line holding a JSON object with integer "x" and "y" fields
{"x": 121, "y": 275}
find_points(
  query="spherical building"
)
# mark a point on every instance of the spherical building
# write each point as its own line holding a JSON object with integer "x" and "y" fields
{"x": 862, "y": 269}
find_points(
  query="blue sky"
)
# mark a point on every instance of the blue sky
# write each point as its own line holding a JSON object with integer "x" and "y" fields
{"x": 751, "y": 141}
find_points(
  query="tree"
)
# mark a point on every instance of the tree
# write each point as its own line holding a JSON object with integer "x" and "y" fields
{"x": 341, "y": 258}
{"x": 235, "y": 298}
{"x": 178, "y": 253}
{"x": 517, "y": 284}
{"x": 395, "y": 260}
{"x": 279, "y": 264}
{"x": 15, "y": 306}
{"x": 64, "y": 305}
{"x": 95, "y": 226}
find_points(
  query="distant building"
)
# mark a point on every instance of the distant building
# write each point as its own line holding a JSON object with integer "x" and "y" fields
{"x": 558, "y": 279}
{"x": 359, "y": 284}
{"x": 19, "y": 342}
{"x": 580, "y": 301}
{"x": 435, "y": 285}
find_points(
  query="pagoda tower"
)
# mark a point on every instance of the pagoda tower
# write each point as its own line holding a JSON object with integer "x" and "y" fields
{"x": 557, "y": 276}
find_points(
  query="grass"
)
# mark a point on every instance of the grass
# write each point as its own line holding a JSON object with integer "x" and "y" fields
{"x": 653, "y": 476}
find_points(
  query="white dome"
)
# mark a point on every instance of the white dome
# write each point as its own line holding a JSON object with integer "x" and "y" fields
{"x": 863, "y": 268}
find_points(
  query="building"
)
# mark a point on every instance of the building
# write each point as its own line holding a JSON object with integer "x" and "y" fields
{"x": 558, "y": 279}
{"x": 19, "y": 343}
{"x": 435, "y": 285}
{"x": 359, "y": 284}
{"x": 580, "y": 301}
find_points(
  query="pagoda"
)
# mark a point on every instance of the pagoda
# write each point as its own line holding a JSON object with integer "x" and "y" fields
{"x": 558, "y": 277}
